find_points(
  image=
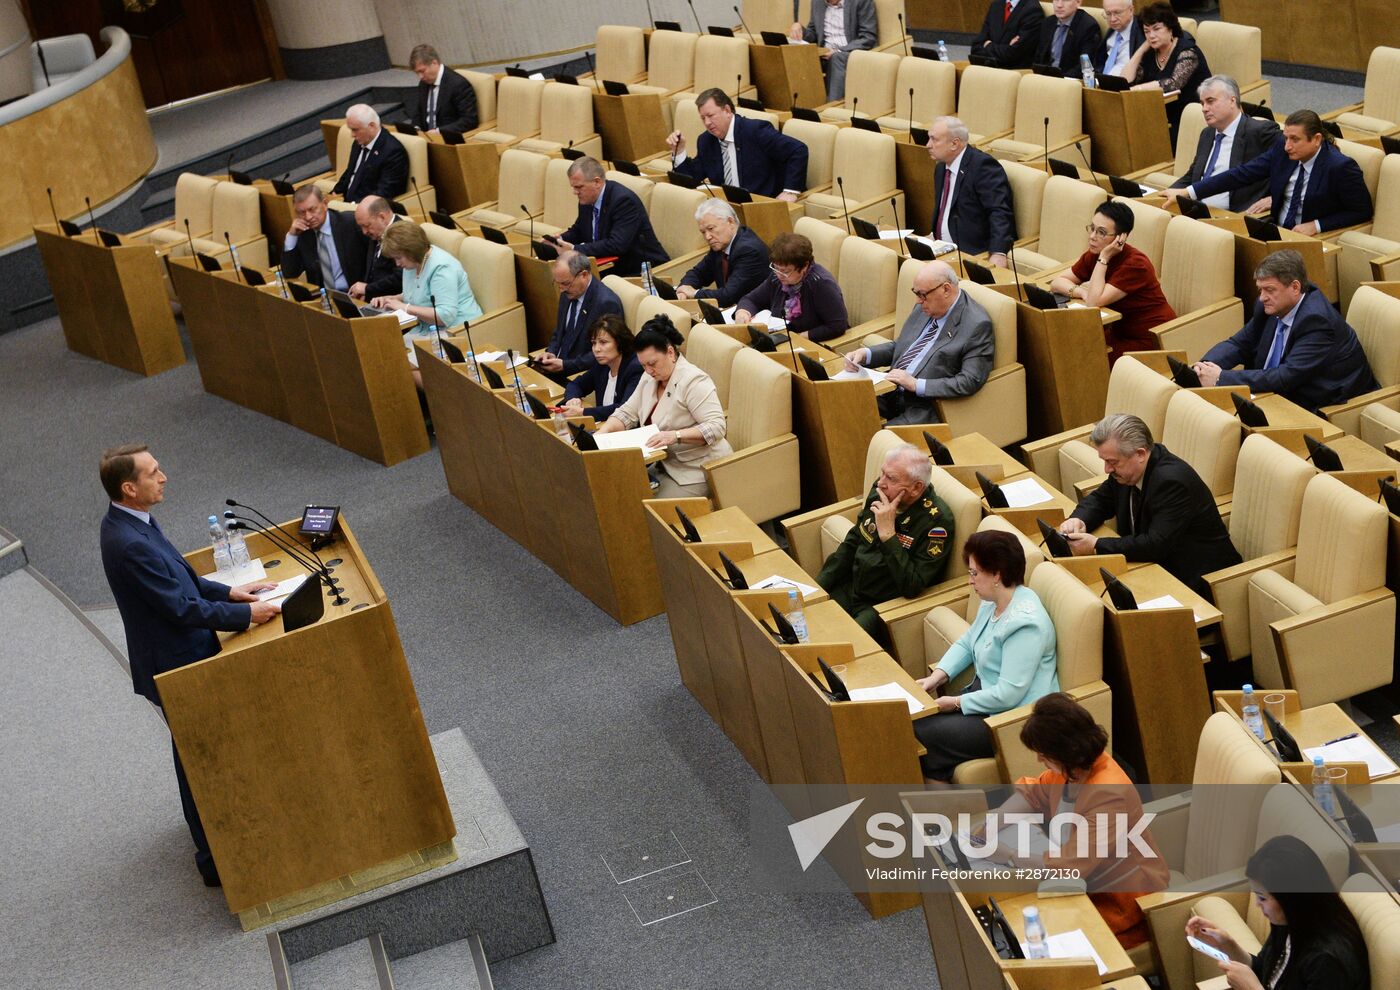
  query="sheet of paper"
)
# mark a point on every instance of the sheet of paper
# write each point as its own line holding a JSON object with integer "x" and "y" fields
{"x": 404, "y": 317}
{"x": 1023, "y": 493}
{"x": 283, "y": 589}
{"x": 887, "y": 692}
{"x": 501, "y": 357}
{"x": 728, "y": 314}
{"x": 864, "y": 373}
{"x": 1072, "y": 945}
{"x": 895, "y": 235}
{"x": 936, "y": 246}
{"x": 1357, "y": 750}
{"x": 1165, "y": 601}
{"x": 775, "y": 581}
{"x": 767, "y": 319}
{"x": 251, "y": 571}
{"x": 626, "y": 439}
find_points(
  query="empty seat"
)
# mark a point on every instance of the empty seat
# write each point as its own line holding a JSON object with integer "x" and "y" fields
{"x": 194, "y": 212}
{"x": 520, "y": 183}
{"x": 870, "y": 91}
{"x": 762, "y": 475}
{"x": 864, "y": 163}
{"x": 987, "y": 102}
{"x": 1372, "y": 253}
{"x": 566, "y": 121}
{"x": 1379, "y": 111}
{"x": 998, "y": 409}
{"x": 1197, "y": 277}
{"x": 1027, "y": 198}
{"x": 1234, "y": 50}
{"x": 719, "y": 62}
{"x": 622, "y": 53}
{"x": 560, "y": 204}
{"x": 820, "y": 139}
{"x": 923, "y": 89}
{"x": 672, "y": 212}
{"x": 517, "y": 112}
{"x": 1375, "y": 316}
{"x": 1066, "y": 207}
{"x": 490, "y": 269}
{"x": 1039, "y": 97}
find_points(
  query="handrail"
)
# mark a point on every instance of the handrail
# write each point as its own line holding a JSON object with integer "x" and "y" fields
{"x": 118, "y": 51}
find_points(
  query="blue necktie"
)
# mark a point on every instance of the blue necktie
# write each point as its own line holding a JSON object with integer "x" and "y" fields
{"x": 1113, "y": 53}
{"x": 1057, "y": 46}
{"x": 1292, "y": 218}
{"x": 1214, "y": 154}
{"x": 596, "y": 213}
{"x": 1276, "y": 348}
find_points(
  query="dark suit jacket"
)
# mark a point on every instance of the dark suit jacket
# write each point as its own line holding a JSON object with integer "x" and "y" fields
{"x": 382, "y": 276}
{"x": 170, "y": 614}
{"x": 1136, "y": 38}
{"x": 1336, "y": 194}
{"x": 1178, "y": 525}
{"x": 748, "y": 267}
{"x": 1322, "y": 362}
{"x": 958, "y": 364}
{"x": 824, "y": 313}
{"x": 570, "y": 342}
{"x": 1083, "y": 38}
{"x": 862, "y": 29}
{"x": 1012, "y": 44}
{"x": 624, "y": 232}
{"x": 350, "y": 244}
{"x": 769, "y": 161}
{"x": 980, "y": 216}
{"x": 384, "y": 174}
{"x": 456, "y": 105}
{"x": 594, "y": 379}
{"x": 1253, "y": 137}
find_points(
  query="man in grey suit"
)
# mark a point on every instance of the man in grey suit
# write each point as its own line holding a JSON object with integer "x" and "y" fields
{"x": 1231, "y": 137}
{"x": 943, "y": 351}
{"x": 843, "y": 26}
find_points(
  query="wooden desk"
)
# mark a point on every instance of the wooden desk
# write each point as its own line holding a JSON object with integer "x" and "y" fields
{"x": 879, "y": 669}
{"x": 834, "y": 422}
{"x": 1250, "y": 252}
{"x": 1127, "y": 131}
{"x": 632, "y": 126}
{"x": 1309, "y": 727}
{"x": 914, "y": 175}
{"x": 1063, "y": 914}
{"x": 779, "y": 71}
{"x": 1066, "y": 360}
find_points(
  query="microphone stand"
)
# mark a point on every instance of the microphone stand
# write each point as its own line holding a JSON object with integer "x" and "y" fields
{"x": 92, "y": 220}
{"x": 1047, "y": 145}
{"x": 233, "y": 260}
{"x": 598, "y": 83}
{"x": 322, "y": 574}
{"x": 520, "y": 402}
{"x": 741, "y": 22}
{"x": 899, "y": 235}
{"x": 845, "y": 210}
{"x": 421, "y": 210}
{"x": 904, "y": 40}
{"x": 698, "y": 28}
{"x": 240, "y": 505}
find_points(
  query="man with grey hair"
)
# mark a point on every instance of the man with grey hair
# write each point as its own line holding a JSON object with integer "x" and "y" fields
{"x": 1163, "y": 511}
{"x": 898, "y": 546}
{"x": 582, "y": 300}
{"x": 378, "y": 163}
{"x": 972, "y": 197}
{"x": 612, "y": 223}
{"x": 1295, "y": 344}
{"x": 322, "y": 244}
{"x": 736, "y": 264}
{"x": 383, "y": 277}
{"x": 1124, "y": 36}
{"x": 1231, "y": 137}
{"x": 944, "y": 350}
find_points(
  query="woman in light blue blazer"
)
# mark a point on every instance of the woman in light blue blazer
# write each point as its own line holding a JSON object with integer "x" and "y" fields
{"x": 1011, "y": 644}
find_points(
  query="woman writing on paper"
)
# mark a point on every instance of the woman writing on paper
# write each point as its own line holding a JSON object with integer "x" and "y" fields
{"x": 800, "y": 292}
{"x": 681, "y": 402}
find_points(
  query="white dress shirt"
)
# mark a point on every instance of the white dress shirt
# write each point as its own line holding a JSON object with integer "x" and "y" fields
{"x": 1222, "y": 163}
{"x": 834, "y": 21}
{"x": 145, "y": 517}
{"x": 1124, "y": 52}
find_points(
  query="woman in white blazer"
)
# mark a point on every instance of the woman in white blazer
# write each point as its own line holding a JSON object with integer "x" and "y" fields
{"x": 680, "y": 400}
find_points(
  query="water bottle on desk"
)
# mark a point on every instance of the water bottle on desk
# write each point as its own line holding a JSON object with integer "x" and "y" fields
{"x": 1036, "y": 946}
{"x": 1086, "y": 69}
{"x": 943, "y": 52}
{"x": 1322, "y": 788}
{"x": 1249, "y": 710}
{"x": 237, "y": 546}
{"x": 648, "y": 282}
{"x": 223, "y": 561}
{"x": 281, "y": 282}
{"x": 561, "y": 425}
{"x": 796, "y": 616}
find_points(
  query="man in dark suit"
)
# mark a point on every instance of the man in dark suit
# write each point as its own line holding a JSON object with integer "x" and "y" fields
{"x": 170, "y": 614}
{"x": 1312, "y": 187}
{"x": 446, "y": 101}
{"x": 323, "y": 245}
{"x": 842, "y": 27}
{"x": 1296, "y": 343}
{"x": 612, "y": 223}
{"x": 1163, "y": 511}
{"x": 378, "y": 162}
{"x": 737, "y": 151}
{"x": 1124, "y": 36}
{"x": 971, "y": 193}
{"x": 1010, "y": 33}
{"x": 736, "y": 264}
{"x": 1231, "y": 137}
{"x": 582, "y": 300}
{"x": 943, "y": 351}
{"x": 1067, "y": 34}
{"x": 382, "y": 276}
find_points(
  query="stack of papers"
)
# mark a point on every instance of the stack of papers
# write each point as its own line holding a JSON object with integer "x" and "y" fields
{"x": 861, "y": 374}
{"x": 1072, "y": 945}
{"x": 625, "y": 439}
{"x": 283, "y": 589}
{"x": 251, "y": 571}
{"x": 1023, "y": 493}
{"x": 404, "y": 317}
{"x": 1358, "y": 749}
{"x": 887, "y": 692}
{"x": 775, "y": 581}
{"x": 501, "y": 357}
{"x": 936, "y": 246}
{"x": 768, "y": 320}
{"x": 1166, "y": 601}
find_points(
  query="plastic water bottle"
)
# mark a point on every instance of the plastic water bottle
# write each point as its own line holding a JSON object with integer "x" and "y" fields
{"x": 1086, "y": 69}
{"x": 326, "y": 301}
{"x": 1322, "y": 788}
{"x": 796, "y": 616}
{"x": 1249, "y": 708}
{"x": 473, "y": 372}
{"x": 237, "y": 546}
{"x": 281, "y": 282}
{"x": 233, "y": 256}
{"x": 222, "y": 559}
{"x": 943, "y": 52}
{"x": 1036, "y": 946}
{"x": 648, "y": 282}
{"x": 561, "y": 425}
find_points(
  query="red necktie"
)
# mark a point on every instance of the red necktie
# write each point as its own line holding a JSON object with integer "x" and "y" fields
{"x": 1006, "y": 16}
{"x": 943, "y": 203}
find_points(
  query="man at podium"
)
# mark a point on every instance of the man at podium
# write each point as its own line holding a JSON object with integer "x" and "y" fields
{"x": 170, "y": 614}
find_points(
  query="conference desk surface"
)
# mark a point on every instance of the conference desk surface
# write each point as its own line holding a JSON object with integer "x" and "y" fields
{"x": 1064, "y": 914}
{"x": 1152, "y": 581}
{"x": 1309, "y": 727}
{"x": 878, "y": 669}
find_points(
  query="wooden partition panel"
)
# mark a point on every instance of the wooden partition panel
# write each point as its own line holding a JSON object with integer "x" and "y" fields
{"x": 77, "y": 316}
{"x": 252, "y": 362}
{"x": 444, "y": 385}
{"x": 1066, "y": 360}
{"x": 834, "y": 422}
{"x": 617, "y": 482}
{"x": 551, "y": 505}
{"x": 304, "y": 392}
{"x": 464, "y": 175}
{"x": 674, "y": 572}
{"x": 1127, "y": 131}
{"x": 213, "y": 353}
{"x": 914, "y": 173}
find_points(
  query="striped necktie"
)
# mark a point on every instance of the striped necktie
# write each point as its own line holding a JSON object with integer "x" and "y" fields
{"x": 925, "y": 338}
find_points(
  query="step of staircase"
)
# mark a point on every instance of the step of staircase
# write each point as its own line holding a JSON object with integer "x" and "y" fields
{"x": 459, "y": 965}
{"x": 361, "y": 965}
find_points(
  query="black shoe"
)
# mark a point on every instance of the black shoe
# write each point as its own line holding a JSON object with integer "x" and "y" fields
{"x": 212, "y": 879}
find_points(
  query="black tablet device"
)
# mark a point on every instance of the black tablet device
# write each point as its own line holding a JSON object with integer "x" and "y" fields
{"x": 688, "y": 531}
{"x": 1249, "y": 413}
{"x": 1324, "y": 458}
{"x": 991, "y": 491}
{"x": 938, "y": 450}
{"x": 839, "y": 691}
{"x": 816, "y": 371}
{"x": 1118, "y": 592}
{"x": 1053, "y": 540}
{"x": 319, "y": 520}
{"x": 1183, "y": 374}
{"x": 732, "y": 575}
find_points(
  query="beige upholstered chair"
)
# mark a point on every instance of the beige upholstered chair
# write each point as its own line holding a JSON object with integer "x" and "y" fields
{"x": 1197, "y": 277}
{"x": 1027, "y": 199}
{"x": 1378, "y": 914}
{"x": 622, "y": 53}
{"x": 762, "y": 476}
{"x": 934, "y": 85}
{"x": 1323, "y": 622}
{"x": 517, "y": 112}
{"x": 484, "y": 85}
{"x": 881, "y": 330}
{"x": 1373, "y": 253}
{"x": 1188, "y": 133}
{"x": 343, "y": 143}
{"x": 639, "y": 184}
{"x": 490, "y": 270}
{"x": 1037, "y": 98}
{"x": 1067, "y": 206}
{"x": 864, "y": 164}
{"x": 670, "y": 69}
{"x": 631, "y": 295}
{"x": 566, "y": 121}
{"x": 891, "y": 36}
{"x": 423, "y": 199}
{"x": 1379, "y": 111}
{"x": 672, "y": 212}
{"x": 560, "y": 203}
{"x": 1234, "y": 50}
{"x": 826, "y": 239}
{"x": 1204, "y": 436}
{"x": 194, "y": 206}
{"x": 1375, "y": 316}
{"x": 712, "y": 351}
{"x": 236, "y": 211}
{"x": 987, "y": 102}
{"x": 520, "y": 183}
{"x": 1265, "y": 509}
{"x": 650, "y": 306}
{"x": 870, "y": 91}
{"x": 820, "y": 140}
{"x": 869, "y": 271}
{"x": 998, "y": 409}
{"x": 719, "y": 62}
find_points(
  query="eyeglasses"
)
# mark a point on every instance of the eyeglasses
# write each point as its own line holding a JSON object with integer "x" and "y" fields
{"x": 1091, "y": 229}
{"x": 921, "y": 295}
{"x": 783, "y": 273}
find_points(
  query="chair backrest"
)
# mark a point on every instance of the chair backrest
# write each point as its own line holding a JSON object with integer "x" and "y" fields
{"x": 1039, "y": 97}
{"x": 1382, "y": 94}
{"x": 631, "y": 295}
{"x": 760, "y": 399}
{"x": 1375, "y": 317}
{"x": 686, "y": 119}
{"x": 639, "y": 184}
{"x": 769, "y": 15}
{"x": 1135, "y": 388}
{"x": 826, "y": 241}
{"x": 865, "y": 161}
{"x": 560, "y": 203}
{"x": 490, "y": 271}
{"x": 935, "y": 86}
{"x": 1386, "y": 221}
{"x": 820, "y": 139}
{"x": 484, "y": 83}
{"x": 1198, "y": 265}
{"x": 622, "y": 52}
{"x": 343, "y": 144}
{"x": 650, "y": 306}
{"x": 880, "y": 444}
{"x": 967, "y": 513}
{"x": 236, "y": 210}
{"x": 1027, "y": 196}
{"x": 1231, "y": 49}
{"x": 768, "y": 116}
{"x": 446, "y": 238}
{"x": 1068, "y": 206}
{"x": 870, "y": 82}
{"x": 417, "y": 148}
{"x": 1001, "y": 308}
{"x": 1267, "y": 502}
{"x": 518, "y": 105}
{"x": 712, "y": 351}
{"x": 521, "y": 181}
{"x": 1187, "y": 134}
{"x": 671, "y": 60}
{"x": 987, "y": 99}
{"x": 1369, "y": 159}
{"x": 719, "y": 62}
{"x": 887, "y": 22}
{"x": 1286, "y": 811}
{"x": 566, "y": 113}
{"x": 1378, "y": 916}
{"x": 1149, "y": 230}
{"x": 194, "y": 201}
{"x": 1220, "y": 832}
{"x": 1341, "y": 541}
{"x": 672, "y": 214}
{"x": 1204, "y": 436}
{"x": 868, "y": 275}
{"x": 1078, "y": 617}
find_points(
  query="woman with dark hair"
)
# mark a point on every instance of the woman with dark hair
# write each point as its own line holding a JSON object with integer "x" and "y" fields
{"x": 681, "y": 401}
{"x": 799, "y": 291}
{"x": 1117, "y": 276}
{"x": 1314, "y": 941}
{"x": 1082, "y": 778}
{"x": 1169, "y": 60}
{"x": 1011, "y": 645}
{"x": 613, "y": 378}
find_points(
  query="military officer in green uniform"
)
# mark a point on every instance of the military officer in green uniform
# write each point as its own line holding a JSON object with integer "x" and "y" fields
{"x": 898, "y": 546}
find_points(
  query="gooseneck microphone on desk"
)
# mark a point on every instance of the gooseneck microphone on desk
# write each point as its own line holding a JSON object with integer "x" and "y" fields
{"x": 899, "y": 236}
{"x": 741, "y": 22}
{"x": 1047, "y": 144}
{"x": 841, "y": 188}
{"x": 698, "y": 28}
{"x": 598, "y": 83}
{"x": 304, "y": 555}
{"x": 903, "y": 36}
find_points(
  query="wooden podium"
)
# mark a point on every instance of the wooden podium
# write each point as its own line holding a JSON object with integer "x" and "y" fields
{"x": 1127, "y": 131}
{"x": 111, "y": 301}
{"x": 1250, "y": 251}
{"x": 306, "y": 751}
{"x": 779, "y": 71}
{"x": 1066, "y": 361}
{"x": 464, "y": 175}
{"x": 631, "y": 126}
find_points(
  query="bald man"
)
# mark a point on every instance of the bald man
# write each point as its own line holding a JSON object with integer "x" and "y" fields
{"x": 378, "y": 163}
{"x": 383, "y": 277}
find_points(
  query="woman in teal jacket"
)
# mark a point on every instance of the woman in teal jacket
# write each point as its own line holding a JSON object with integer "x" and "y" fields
{"x": 1011, "y": 643}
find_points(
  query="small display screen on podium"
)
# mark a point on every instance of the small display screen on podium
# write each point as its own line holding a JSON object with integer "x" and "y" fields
{"x": 319, "y": 520}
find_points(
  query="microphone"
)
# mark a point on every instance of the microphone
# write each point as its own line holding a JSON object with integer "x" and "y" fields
{"x": 229, "y": 166}
{"x": 741, "y": 22}
{"x": 437, "y": 324}
{"x": 239, "y": 505}
{"x": 597, "y": 83}
{"x": 794, "y": 101}
{"x": 855, "y": 106}
{"x": 189, "y": 237}
{"x": 698, "y": 28}
{"x": 421, "y": 210}
{"x": 531, "y": 217}
{"x": 841, "y": 188}
{"x": 738, "y": 86}
{"x": 43, "y": 62}
{"x": 1011, "y": 253}
{"x": 899, "y": 240}
{"x": 467, "y": 329}
{"x": 1047, "y": 144}
{"x": 92, "y": 220}
{"x": 650, "y": 17}
{"x": 282, "y": 279}
{"x": 290, "y": 548}
{"x": 903, "y": 36}
{"x": 911, "y": 104}
{"x": 233, "y": 259}
{"x": 53, "y": 209}
{"x": 709, "y": 189}
{"x": 520, "y": 401}
{"x": 1079, "y": 147}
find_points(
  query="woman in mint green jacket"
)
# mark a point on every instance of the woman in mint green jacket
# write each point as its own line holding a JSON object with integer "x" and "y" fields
{"x": 1011, "y": 643}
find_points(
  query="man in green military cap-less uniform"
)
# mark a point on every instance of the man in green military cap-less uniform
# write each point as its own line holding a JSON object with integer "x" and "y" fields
{"x": 898, "y": 546}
